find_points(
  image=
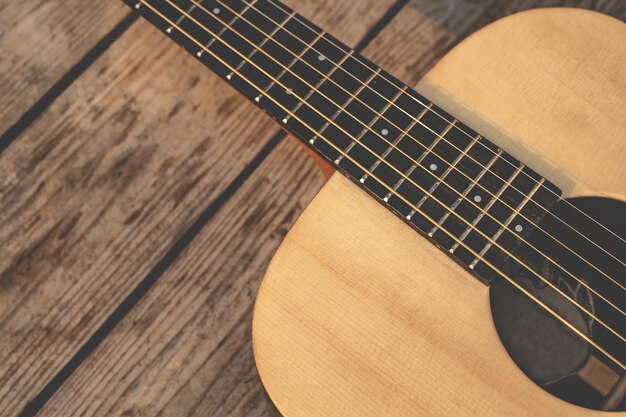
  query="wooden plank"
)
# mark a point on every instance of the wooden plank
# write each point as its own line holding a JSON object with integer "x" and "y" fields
{"x": 94, "y": 194}
{"x": 185, "y": 348}
{"x": 40, "y": 41}
{"x": 173, "y": 374}
{"x": 196, "y": 359}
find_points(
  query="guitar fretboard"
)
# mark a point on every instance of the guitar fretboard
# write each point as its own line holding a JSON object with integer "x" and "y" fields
{"x": 468, "y": 196}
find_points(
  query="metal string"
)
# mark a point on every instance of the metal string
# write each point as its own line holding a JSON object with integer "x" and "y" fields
{"x": 511, "y": 281}
{"x": 379, "y": 115}
{"x": 493, "y": 241}
{"x": 453, "y": 126}
{"x": 279, "y": 6}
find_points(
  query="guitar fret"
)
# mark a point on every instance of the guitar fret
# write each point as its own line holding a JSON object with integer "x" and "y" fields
{"x": 413, "y": 166}
{"x": 465, "y": 193}
{"x": 297, "y": 58}
{"x": 486, "y": 209}
{"x": 312, "y": 91}
{"x": 372, "y": 122}
{"x": 182, "y": 16}
{"x": 508, "y": 221}
{"x": 263, "y": 42}
{"x": 223, "y": 29}
{"x": 335, "y": 114}
{"x": 423, "y": 156}
{"x": 475, "y": 139}
{"x": 345, "y": 104}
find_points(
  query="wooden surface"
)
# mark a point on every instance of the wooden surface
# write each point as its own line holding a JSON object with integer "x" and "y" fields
{"x": 41, "y": 41}
{"x": 138, "y": 213}
{"x": 373, "y": 319}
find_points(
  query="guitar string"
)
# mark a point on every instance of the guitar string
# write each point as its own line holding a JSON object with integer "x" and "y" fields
{"x": 451, "y": 165}
{"x": 511, "y": 281}
{"x": 492, "y": 240}
{"x": 340, "y": 47}
{"x": 400, "y": 196}
{"x": 405, "y": 133}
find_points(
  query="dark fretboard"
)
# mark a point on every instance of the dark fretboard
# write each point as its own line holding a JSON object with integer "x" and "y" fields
{"x": 467, "y": 195}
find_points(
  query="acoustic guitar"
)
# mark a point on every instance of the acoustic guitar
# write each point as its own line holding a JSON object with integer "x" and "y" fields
{"x": 469, "y": 257}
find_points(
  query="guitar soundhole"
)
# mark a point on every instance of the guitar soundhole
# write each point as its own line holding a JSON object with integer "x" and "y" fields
{"x": 548, "y": 352}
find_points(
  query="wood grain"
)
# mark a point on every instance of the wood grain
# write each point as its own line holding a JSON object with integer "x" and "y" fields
{"x": 390, "y": 326}
{"x": 587, "y": 126}
{"x": 429, "y": 29}
{"x": 94, "y": 194}
{"x": 98, "y": 189}
{"x": 40, "y": 41}
{"x": 180, "y": 351}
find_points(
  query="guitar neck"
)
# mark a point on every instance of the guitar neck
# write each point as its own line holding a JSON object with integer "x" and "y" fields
{"x": 440, "y": 176}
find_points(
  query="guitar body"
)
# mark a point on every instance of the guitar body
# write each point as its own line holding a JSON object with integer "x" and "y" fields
{"x": 359, "y": 315}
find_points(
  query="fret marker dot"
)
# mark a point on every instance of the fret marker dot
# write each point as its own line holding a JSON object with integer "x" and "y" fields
{"x": 362, "y": 180}
{"x": 321, "y": 58}
{"x": 433, "y": 167}
{"x": 169, "y": 29}
{"x": 216, "y": 10}
{"x": 518, "y": 228}
{"x": 385, "y": 132}
{"x": 478, "y": 198}
{"x": 386, "y": 199}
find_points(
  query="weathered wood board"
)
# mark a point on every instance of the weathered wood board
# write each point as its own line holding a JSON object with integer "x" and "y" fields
{"x": 95, "y": 193}
{"x": 184, "y": 349}
{"x": 40, "y": 41}
{"x": 98, "y": 189}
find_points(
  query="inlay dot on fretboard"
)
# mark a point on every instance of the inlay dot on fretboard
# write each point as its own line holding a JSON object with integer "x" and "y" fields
{"x": 412, "y": 156}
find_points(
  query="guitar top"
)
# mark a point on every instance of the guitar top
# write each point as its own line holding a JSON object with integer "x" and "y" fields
{"x": 553, "y": 266}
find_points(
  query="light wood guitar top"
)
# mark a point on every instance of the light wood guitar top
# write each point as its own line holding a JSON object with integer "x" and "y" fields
{"x": 350, "y": 325}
